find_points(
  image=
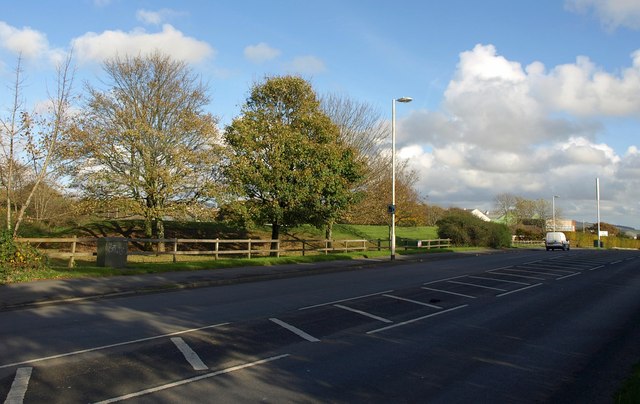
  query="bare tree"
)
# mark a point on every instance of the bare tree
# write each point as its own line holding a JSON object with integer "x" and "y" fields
{"x": 505, "y": 204}
{"x": 12, "y": 129}
{"x": 43, "y": 148}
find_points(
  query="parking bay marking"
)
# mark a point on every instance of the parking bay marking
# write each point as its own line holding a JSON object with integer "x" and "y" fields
{"x": 518, "y": 290}
{"x": 111, "y": 345}
{"x": 344, "y": 300}
{"x": 478, "y": 286}
{"x": 413, "y": 301}
{"x": 514, "y": 275}
{"x": 363, "y": 313}
{"x": 19, "y": 386}
{"x": 192, "y": 379}
{"x": 189, "y": 354}
{"x": 416, "y": 319}
{"x": 295, "y": 330}
{"x": 499, "y": 280}
{"x": 449, "y": 292}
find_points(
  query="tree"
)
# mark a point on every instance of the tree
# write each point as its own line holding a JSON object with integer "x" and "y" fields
{"x": 287, "y": 162}
{"x": 147, "y": 138}
{"x": 13, "y": 132}
{"x": 504, "y": 205}
{"x": 35, "y": 139}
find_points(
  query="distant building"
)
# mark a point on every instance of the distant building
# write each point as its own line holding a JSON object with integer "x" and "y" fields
{"x": 561, "y": 225}
{"x": 481, "y": 215}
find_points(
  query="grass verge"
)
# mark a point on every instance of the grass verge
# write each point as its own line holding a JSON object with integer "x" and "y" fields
{"x": 84, "y": 269}
{"x": 629, "y": 393}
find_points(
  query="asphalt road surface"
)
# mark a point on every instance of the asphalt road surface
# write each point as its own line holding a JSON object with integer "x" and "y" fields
{"x": 516, "y": 327}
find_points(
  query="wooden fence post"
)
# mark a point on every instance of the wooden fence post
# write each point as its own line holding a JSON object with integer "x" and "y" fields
{"x": 303, "y": 248}
{"x": 72, "y": 261}
{"x": 249, "y": 249}
{"x": 175, "y": 249}
{"x": 217, "y": 244}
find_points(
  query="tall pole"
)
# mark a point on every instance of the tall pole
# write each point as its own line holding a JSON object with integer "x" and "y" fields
{"x": 598, "y": 207}
{"x": 553, "y": 210}
{"x": 392, "y": 208}
{"x": 393, "y": 180}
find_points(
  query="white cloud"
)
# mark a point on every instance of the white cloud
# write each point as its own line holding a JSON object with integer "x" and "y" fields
{"x": 98, "y": 47}
{"x": 156, "y": 17}
{"x": 307, "y": 65}
{"x": 260, "y": 53}
{"x": 27, "y": 41}
{"x": 612, "y": 13}
{"x": 504, "y": 127}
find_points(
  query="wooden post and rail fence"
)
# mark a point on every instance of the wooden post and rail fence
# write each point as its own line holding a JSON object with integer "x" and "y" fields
{"x": 88, "y": 247}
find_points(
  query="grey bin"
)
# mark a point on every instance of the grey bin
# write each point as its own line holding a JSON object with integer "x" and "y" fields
{"x": 595, "y": 244}
{"x": 112, "y": 252}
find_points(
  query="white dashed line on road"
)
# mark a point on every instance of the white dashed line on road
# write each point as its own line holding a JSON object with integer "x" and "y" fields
{"x": 363, "y": 313}
{"x": 518, "y": 290}
{"x": 189, "y": 354}
{"x": 295, "y": 330}
{"x": 415, "y": 319}
{"x": 477, "y": 286}
{"x": 191, "y": 380}
{"x": 19, "y": 386}
{"x": 413, "y": 301}
{"x": 448, "y": 292}
{"x": 344, "y": 300}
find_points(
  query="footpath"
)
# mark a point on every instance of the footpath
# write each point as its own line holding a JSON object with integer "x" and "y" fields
{"x": 46, "y": 292}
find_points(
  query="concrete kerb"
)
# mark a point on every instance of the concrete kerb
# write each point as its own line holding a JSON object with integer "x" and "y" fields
{"x": 42, "y": 293}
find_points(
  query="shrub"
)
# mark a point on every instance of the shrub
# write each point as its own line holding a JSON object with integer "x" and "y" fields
{"x": 16, "y": 259}
{"x": 464, "y": 229}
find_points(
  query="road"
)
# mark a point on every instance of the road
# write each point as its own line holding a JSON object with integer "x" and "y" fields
{"x": 521, "y": 326}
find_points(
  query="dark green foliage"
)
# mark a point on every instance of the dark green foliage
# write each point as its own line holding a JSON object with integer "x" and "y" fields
{"x": 17, "y": 258}
{"x": 464, "y": 229}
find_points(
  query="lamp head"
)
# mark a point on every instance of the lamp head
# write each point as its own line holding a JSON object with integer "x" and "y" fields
{"x": 404, "y": 99}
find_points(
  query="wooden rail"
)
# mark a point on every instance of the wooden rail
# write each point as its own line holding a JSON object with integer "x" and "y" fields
{"x": 244, "y": 247}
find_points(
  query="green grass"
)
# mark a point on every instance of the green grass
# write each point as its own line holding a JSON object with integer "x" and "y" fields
{"x": 372, "y": 232}
{"x": 629, "y": 393}
{"x": 58, "y": 268}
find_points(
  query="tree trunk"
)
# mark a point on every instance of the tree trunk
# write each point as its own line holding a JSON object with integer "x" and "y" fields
{"x": 148, "y": 233}
{"x": 275, "y": 235}
{"x": 328, "y": 234}
{"x": 160, "y": 233}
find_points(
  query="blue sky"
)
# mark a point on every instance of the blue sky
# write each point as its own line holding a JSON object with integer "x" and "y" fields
{"x": 534, "y": 98}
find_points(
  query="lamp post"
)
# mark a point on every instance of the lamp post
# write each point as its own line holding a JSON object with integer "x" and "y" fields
{"x": 392, "y": 208}
{"x": 553, "y": 211}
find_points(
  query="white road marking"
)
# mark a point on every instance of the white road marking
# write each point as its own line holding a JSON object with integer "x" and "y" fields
{"x": 568, "y": 276}
{"x": 111, "y": 345}
{"x": 413, "y": 301}
{"x": 344, "y": 300}
{"x": 191, "y": 380}
{"x": 295, "y": 330}
{"x": 446, "y": 279}
{"x": 19, "y": 386}
{"x": 477, "y": 286}
{"x": 547, "y": 268}
{"x": 363, "y": 313}
{"x": 616, "y": 262}
{"x": 527, "y": 271}
{"x": 518, "y": 290}
{"x": 518, "y": 276}
{"x": 598, "y": 267}
{"x": 499, "y": 280}
{"x": 451, "y": 293}
{"x": 189, "y": 354}
{"x": 416, "y": 319}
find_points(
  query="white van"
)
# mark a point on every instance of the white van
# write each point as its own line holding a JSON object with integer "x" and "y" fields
{"x": 556, "y": 240}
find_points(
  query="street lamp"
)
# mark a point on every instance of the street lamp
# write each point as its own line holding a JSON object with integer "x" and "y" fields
{"x": 553, "y": 211}
{"x": 392, "y": 208}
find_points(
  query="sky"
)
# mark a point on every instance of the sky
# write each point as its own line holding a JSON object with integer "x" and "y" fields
{"x": 536, "y": 98}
